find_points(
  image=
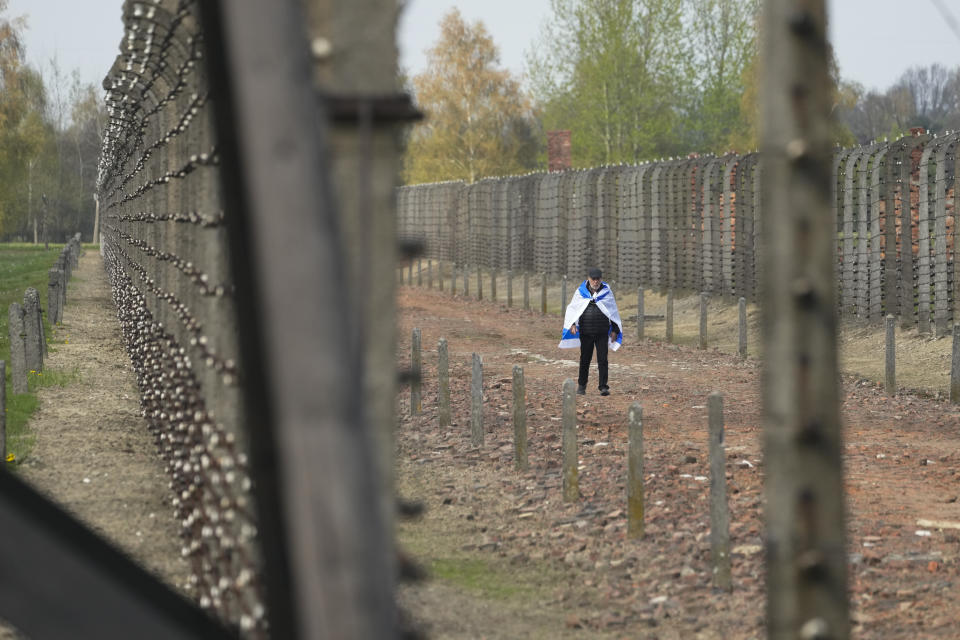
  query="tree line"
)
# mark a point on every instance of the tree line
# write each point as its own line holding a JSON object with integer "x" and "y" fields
{"x": 51, "y": 127}
{"x": 633, "y": 81}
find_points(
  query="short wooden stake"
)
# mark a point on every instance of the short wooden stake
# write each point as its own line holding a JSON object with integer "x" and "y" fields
{"x": 669, "y": 315}
{"x": 443, "y": 377}
{"x": 543, "y": 294}
{"x": 719, "y": 512}
{"x": 571, "y": 475}
{"x": 416, "y": 405}
{"x": 476, "y": 402}
{"x": 890, "y": 377}
{"x": 635, "y": 471}
{"x": 955, "y": 367}
{"x": 509, "y": 287}
{"x": 702, "y": 342}
{"x": 519, "y": 420}
{"x": 640, "y": 313}
{"x": 742, "y": 346}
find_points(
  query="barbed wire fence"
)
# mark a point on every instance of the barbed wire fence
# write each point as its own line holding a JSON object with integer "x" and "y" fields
{"x": 166, "y": 252}
{"x": 694, "y": 224}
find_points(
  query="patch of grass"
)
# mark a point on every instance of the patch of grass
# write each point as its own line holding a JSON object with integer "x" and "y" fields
{"x": 52, "y": 378}
{"x": 478, "y": 575}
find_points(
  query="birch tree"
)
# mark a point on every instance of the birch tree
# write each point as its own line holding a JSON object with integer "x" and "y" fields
{"x": 478, "y": 121}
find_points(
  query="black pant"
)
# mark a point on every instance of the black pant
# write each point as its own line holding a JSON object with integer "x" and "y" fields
{"x": 587, "y": 342}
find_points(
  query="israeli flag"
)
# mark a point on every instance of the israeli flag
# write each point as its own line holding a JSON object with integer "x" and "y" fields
{"x": 581, "y": 298}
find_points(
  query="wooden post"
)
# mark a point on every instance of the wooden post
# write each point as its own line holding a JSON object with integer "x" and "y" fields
{"x": 890, "y": 370}
{"x": 466, "y": 281}
{"x": 520, "y": 461}
{"x": 440, "y": 276}
{"x": 419, "y": 273}
{"x": 410, "y": 274}
{"x": 509, "y": 287}
{"x": 571, "y": 475}
{"x": 806, "y": 548}
{"x": 640, "y": 313}
{"x": 742, "y": 346}
{"x": 476, "y": 402}
{"x": 443, "y": 378}
{"x": 955, "y": 367}
{"x": 719, "y": 512}
{"x": 635, "y": 508}
{"x": 3, "y": 412}
{"x": 702, "y": 341}
{"x": 543, "y": 293}
{"x": 479, "y": 283}
{"x": 429, "y": 274}
{"x": 563, "y": 293}
{"x": 493, "y": 285}
{"x": 668, "y": 316}
{"x": 526, "y": 291}
{"x": 415, "y": 368}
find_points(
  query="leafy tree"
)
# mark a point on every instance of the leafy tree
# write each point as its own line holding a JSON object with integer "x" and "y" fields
{"x": 478, "y": 122}
{"x": 725, "y": 37}
{"x": 614, "y": 73}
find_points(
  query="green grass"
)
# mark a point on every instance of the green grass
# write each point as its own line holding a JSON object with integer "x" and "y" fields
{"x": 479, "y": 576}
{"x": 21, "y": 265}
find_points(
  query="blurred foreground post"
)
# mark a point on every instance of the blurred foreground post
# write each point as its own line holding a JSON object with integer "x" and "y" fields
{"x": 635, "y": 472}
{"x": 416, "y": 359}
{"x": 443, "y": 380}
{"x": 476, "y": 402}
{"x": 806, "y": 551}
{"x": 719, "y": 511}
{"x": 519, "y": 420}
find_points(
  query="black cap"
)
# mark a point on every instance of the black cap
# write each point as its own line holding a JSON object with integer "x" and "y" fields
{"x": 595, "y": 273}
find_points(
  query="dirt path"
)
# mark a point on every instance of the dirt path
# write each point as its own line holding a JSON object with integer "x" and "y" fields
{"x": 502, "y": 541}
{"x": 92, "y": 452}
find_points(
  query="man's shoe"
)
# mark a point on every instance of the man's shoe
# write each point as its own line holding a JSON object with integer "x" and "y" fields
{"x": 581, "y": 390}
{"x": 605, "y": 391}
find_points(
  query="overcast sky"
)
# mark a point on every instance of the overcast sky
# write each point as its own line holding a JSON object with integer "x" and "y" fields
{"x": 875, "y": 40}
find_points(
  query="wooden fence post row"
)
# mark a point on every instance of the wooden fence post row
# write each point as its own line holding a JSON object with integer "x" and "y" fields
{"x": 539, "y": 222}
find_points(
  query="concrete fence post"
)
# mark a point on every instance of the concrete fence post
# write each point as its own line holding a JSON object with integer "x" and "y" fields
{"x": 742, "y": 315}
{"x": 519, "y": 420}
{"x": 526, "y": 291}
{"x": 571, "y": 474}
{"x": 955, "y": 367}
{"x": 479, "y": 282}
{"x": 476, "y": 402}
{"x": 702, "y": 341}
{"x": 640, "y": 313}
{"x": 668, "y": 316}
{"x": 510, "y": 287}
{"x": 53, "y": 297}
{"x": 563, "y": 293}
{"x": 635, "y": 507}
{"x": 493, "y": 285}
{"x": 419, "y": 272}
{"x": 719, "y": 511}
{"x": 890, "y": 370}
{"x": 18, "y": 355}
{"x": 33, "y": 330}
{"x": 410, "y": 273}
{"x": 466, "y": 281}
{"x": 429, "y": 274}
{"x": 416, "y": 405}
{"x": 443, "y": 379}
{"x": 440, "y": 275}
{"x": 543, "y": 294}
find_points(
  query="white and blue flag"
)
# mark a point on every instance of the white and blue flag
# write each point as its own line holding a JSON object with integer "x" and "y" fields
{"x": 581, "y": 298}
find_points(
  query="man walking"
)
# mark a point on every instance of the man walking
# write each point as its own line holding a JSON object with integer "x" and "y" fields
{"x": 592, "y": 321}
